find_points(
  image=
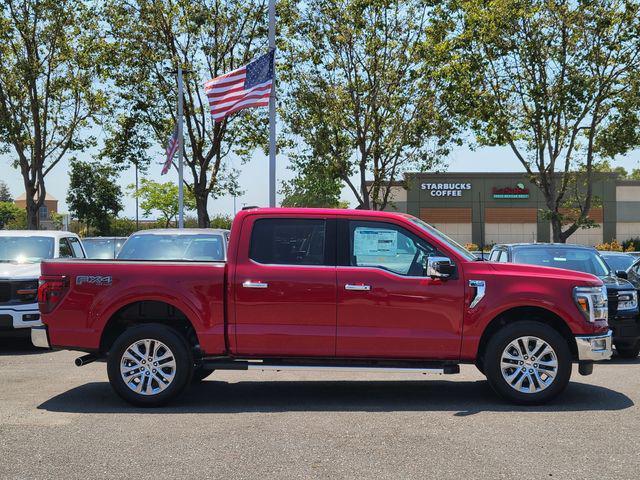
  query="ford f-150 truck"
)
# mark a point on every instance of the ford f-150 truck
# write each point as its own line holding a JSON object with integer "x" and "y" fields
{"x": 326, "y": 289}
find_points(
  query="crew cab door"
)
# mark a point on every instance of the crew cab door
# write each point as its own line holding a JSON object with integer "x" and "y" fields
{"x": 387, "y": 307}
{"x": 285, "y": 287}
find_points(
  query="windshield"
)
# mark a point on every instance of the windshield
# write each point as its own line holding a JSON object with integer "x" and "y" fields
{"x": 459, "y": 249}
{"x": 196, "y": 247}
{"x": 618, "y": 262}
{"x": 102, "y": 248}
{"x": 578, "y": 259}
{"x": 26, "y": 249}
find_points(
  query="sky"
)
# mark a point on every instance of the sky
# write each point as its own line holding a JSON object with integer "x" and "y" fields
{"x": 254, "y": 176}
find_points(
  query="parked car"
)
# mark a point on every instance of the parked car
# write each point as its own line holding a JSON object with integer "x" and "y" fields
{"x": 618, "y": 261}
{"x": 103, "y": 247}
{"x": 622, "y": 297}
{"x": 196, "y": 244}
{"x": 325, "y": 289}
{"x": 21, "y": 252}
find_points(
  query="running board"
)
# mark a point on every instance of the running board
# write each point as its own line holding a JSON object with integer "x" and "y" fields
{"x": 442, "y": 369}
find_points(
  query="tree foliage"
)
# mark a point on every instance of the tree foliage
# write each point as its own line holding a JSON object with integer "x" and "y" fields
{"x": 9, "y": 212}
{"x": 557, "y": 82}
{"x": 94, "y": 196}
{"x": 207, "y": 38}
{"x": 162, "y": 198}
{"x": 365, "y": 94}
{"x": 49, "y": 86}
{"x": 314, "y": 185}
{"x": 5, "y": 194}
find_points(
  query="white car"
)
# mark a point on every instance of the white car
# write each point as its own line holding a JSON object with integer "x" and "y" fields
{"x": 21, "y": 252}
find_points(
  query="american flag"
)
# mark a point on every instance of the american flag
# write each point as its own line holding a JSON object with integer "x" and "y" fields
{"x": 245, "y": 87}
{"x": 172, "y": 148}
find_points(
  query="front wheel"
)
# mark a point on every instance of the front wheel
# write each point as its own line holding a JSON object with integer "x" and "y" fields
{"x": 149, "y": 365}
{"x": 528, "y": 362}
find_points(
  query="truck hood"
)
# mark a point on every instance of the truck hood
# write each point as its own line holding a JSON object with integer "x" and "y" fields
{"x": 585, "y": 279}
{"x": 19, "y": 271}
{"x": 614, "y": 283}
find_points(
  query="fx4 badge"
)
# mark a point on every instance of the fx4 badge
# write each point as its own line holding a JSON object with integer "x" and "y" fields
{"x": 100, "y": 280}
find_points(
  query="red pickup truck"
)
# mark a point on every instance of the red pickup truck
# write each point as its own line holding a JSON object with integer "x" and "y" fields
{"x": 325, "y": 289}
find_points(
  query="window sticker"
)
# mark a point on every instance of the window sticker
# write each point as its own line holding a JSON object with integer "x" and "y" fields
{"x": 375, "y": 241}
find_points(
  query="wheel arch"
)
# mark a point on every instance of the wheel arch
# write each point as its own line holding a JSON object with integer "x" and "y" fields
{"x": 520, "y": 313}
{"x": 147, "y": 311}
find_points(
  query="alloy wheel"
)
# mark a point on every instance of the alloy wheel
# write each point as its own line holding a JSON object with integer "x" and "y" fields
{"x": 529, "y": 364}
{"x": 147, "y": 367}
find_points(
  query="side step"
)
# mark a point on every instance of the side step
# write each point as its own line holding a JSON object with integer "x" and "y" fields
{"x": 383, "y": 367}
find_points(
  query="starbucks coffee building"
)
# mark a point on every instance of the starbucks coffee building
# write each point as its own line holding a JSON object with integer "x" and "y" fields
{"x": 487, "y": 208}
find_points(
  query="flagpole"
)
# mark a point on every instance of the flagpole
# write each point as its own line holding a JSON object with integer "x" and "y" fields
{"x": 180, "y": 145}
{"x": 272, "y": 109}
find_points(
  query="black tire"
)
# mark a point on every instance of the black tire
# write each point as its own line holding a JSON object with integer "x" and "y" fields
{"x": 181, "y": 354}
{"x": 200, "y": 373}
{"x": 493, "y": 356}
{"x": 629, "y": 351}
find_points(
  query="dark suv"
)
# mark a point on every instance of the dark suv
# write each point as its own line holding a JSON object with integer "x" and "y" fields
{"x": 623, "y": 297}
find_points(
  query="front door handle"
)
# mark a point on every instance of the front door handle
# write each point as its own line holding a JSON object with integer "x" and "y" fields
{"x": 358, "y": 287}
{"x": 250, "y": 284}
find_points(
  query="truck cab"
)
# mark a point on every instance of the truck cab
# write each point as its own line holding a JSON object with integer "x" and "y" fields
{"x": 319, "y": 289}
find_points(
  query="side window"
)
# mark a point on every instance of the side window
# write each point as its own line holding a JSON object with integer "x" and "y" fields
{"x": 494, "y": 256}
{"x": 503, "y": 258}
{"x": 76, "y": 247}
{"x": 387, "y": 246}
{"x": 288, "y": 241}
{"x": 65, "y": 249}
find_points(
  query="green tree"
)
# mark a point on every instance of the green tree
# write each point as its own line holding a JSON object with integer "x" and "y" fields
{"x": 163, "y": 198}
{"x": 94, "y": 196}
{"x": 8, "y": 213}
{"x": 49, "y": 77}
{"x": 5, "y": 194}
{"x": 314, "y": 186}
{"x": 556, "y": 82}
{"x": 207, "y": 38}
{"x": 364, "y": 96}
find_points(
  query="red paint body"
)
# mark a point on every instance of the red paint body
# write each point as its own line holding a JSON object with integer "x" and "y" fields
{"x": 306, "y": 311}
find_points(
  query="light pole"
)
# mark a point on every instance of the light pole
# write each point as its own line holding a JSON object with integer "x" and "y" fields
{"x": 272, "y": 109}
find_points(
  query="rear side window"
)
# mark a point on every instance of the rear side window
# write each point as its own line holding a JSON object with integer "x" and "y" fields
{"x": 289, "y": 241}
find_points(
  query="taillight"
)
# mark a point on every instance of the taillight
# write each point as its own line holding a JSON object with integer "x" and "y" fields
{"x": 51, "y": 290}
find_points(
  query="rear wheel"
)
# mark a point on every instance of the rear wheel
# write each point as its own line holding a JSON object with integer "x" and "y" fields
{"x": 528, "y": 362}
{"x": 149, "y": 365}
{"x": 628, "y": 350}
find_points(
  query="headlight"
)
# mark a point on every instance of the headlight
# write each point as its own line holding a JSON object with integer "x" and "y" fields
{"x": 592, "y": 302}
{"x": 627, "y": 300}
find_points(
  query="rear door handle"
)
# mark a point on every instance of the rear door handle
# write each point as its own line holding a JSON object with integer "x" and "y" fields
{"x": 358, "y": 288}
{"x": 250, "y": 284}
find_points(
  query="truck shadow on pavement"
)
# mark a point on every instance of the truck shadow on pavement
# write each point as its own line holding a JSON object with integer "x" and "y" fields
{"x": 461, "y": 398}
{"x": 18, "y": 343}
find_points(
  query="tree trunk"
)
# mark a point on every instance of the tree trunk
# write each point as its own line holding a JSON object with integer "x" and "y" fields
{"x": 34, "y": 202}
{"x": 201, "y": 208}
{"x": 556, "y": 229}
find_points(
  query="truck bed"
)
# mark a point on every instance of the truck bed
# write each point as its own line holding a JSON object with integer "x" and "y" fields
{"x": 101, "y": 292}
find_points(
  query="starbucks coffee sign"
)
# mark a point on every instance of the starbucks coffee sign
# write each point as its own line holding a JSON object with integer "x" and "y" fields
{"x": 445, "y": 189}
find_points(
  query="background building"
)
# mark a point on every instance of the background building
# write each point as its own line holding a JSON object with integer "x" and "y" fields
{"x": 487, "y": 208}
{"x": 49, "y": 207}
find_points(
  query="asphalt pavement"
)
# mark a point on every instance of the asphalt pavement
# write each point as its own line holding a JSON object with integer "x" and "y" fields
{"x": 60, "y": 421}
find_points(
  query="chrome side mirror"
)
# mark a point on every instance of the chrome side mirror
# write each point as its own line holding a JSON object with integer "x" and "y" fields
{"x": 439, "y": 267}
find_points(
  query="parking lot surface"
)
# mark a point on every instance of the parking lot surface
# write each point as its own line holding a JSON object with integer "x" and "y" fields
{"x": 60, "y": 421}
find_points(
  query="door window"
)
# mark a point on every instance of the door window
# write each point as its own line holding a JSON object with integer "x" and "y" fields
{"x": 503, "y": 258}
{"x": 65, "y": 249}
{"x": 387, "y": 246}
{"x": 289, "y": 241}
